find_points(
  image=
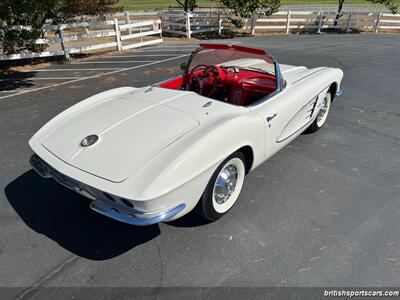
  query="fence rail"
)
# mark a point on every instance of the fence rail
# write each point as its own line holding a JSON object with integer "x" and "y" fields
{"x": 127, "y": 30}
{"x": 201, "y": 21}
{"x": 288, "y": 21}
{"x": 92, "y": 36}
{"x": 327, "y": 7}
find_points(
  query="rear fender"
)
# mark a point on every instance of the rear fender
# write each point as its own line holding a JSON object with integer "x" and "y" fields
{"x": 199, "y": 153}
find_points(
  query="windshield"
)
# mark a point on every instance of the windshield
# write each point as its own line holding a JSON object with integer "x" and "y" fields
{"x": 229, "y": 73}
{"x": 231, "y": 57}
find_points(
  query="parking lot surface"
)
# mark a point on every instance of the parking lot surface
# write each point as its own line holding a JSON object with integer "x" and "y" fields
{"x": 325, "y": 211}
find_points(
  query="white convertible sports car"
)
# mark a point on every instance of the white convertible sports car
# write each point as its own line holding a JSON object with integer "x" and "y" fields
{"x": 153, "y": 154}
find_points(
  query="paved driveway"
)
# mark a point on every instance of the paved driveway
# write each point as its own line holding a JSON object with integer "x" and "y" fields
{"x": 325, "y": 211}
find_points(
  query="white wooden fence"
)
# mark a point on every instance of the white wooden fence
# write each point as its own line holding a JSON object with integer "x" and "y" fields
{"x": 330, "y": 7}
{"x": 120, "y": 33}
{"x": 187, "y": 24}
{"x": 92, "y": 36}
{"x": 321, "y": 20}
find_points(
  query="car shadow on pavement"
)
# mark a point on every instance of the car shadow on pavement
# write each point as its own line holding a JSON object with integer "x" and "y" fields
{"x": 12, "y": 80}
{"x": 192, "y": 219}
{"x": 65, "y": 217}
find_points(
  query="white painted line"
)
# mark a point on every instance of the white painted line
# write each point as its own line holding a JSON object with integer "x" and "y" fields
{"x": 15, "y": 91}
{"x": 164, "y": 50}
{"x": 53, "y": 78}
{"x": 42, "y": 78}
{"x": 141, "y": 55}
{"x": 111, "y": 62}
{"x": 72, "y": 69}
{"x": 94, "y": 76}
{"x": 172, "y": 46}
{"x": 188, "y": 47}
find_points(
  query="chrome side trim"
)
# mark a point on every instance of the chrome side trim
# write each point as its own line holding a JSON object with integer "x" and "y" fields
{"x": 300, "y": 79}
{"x": 143, "y": 219}
{"x": 301, "y": 128}
{"x": 314, "y": 99}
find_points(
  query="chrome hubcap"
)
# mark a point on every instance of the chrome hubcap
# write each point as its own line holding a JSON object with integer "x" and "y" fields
{"x": 226, "y": 183}
{"x": 323, "y": 108}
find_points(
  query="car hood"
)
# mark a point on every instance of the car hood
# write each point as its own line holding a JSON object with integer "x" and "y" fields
{"x": 132, "y": 128}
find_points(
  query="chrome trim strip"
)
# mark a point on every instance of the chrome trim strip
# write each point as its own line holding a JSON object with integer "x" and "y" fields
{"x": 298, "y": 80}
{"x": 278, "y": 76}
{"x": 288, "y": 137}
{"x": 107, "y": 210}
{"x": 315, "y": 98}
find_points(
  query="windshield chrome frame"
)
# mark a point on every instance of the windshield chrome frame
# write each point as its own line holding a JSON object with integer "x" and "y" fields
{"x": 279, "y": 86}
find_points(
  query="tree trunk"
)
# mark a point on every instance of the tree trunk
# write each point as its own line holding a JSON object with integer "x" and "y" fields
{"x": 339, "y": 13}
{"x": 184, "y": 4}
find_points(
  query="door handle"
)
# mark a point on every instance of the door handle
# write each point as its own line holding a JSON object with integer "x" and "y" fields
{"x": 270, "y": 118}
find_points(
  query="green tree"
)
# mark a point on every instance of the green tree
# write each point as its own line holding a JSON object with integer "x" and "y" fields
{"x": 245, "y": 8}
{"x": 35, "y": 13}
{"x": 390, "y": 4}
{"x": 242, "y": 8}
{"x": 73, "y": 8}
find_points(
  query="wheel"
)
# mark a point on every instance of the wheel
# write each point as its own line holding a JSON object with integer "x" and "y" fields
{"x": 322, "y": 114}
{"x": 223, "y": 189}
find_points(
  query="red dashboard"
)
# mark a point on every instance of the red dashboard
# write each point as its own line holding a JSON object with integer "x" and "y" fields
{"x": 233, "y": 85}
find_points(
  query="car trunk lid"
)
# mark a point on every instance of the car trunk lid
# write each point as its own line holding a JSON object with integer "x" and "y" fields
{"x": 131, "y": 130}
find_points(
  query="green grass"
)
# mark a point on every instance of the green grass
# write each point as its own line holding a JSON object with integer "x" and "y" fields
{"x": 151, "y": 4}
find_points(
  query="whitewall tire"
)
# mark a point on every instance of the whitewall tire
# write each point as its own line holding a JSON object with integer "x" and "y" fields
{"x": 322, "y": 114}
{"x": 224, "y": 188}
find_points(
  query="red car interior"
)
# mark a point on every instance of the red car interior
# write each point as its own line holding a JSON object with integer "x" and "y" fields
{"x": 233, "y": 85}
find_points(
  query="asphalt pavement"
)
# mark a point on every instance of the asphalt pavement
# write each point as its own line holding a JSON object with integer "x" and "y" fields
{"x": 324, "y": 211}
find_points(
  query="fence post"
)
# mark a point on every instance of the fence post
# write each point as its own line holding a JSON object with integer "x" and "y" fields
{"x": 348, "y": 23}
{"x": 219, "y": 23}
{"x": 159, "y": 26}
{"x": 188, "y": 30}
{"x": 253, "y": 22}
{"x": 64, "y": 46}
{"x": 378, "y": 22}
{"x": 128, "y": 21}
{"x": 321, "y": 17}
{"x": 117, "y": 35}
{"x": 288, "y": 22}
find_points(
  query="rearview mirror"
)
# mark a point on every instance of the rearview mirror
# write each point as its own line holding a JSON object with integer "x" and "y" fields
{"x": 183, "y": 66}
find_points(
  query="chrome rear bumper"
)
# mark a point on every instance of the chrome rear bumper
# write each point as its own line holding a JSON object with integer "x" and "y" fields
{"x": 137, "y": 218}
{"x": 39, "y": 166}
{"x": 113, "y": 208}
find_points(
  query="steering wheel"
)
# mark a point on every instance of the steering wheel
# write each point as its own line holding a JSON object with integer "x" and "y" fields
{"x": 209, "y": 76}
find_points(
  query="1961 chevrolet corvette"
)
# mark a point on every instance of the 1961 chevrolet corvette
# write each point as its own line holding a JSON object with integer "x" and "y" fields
{"x": 153, "y": 154}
